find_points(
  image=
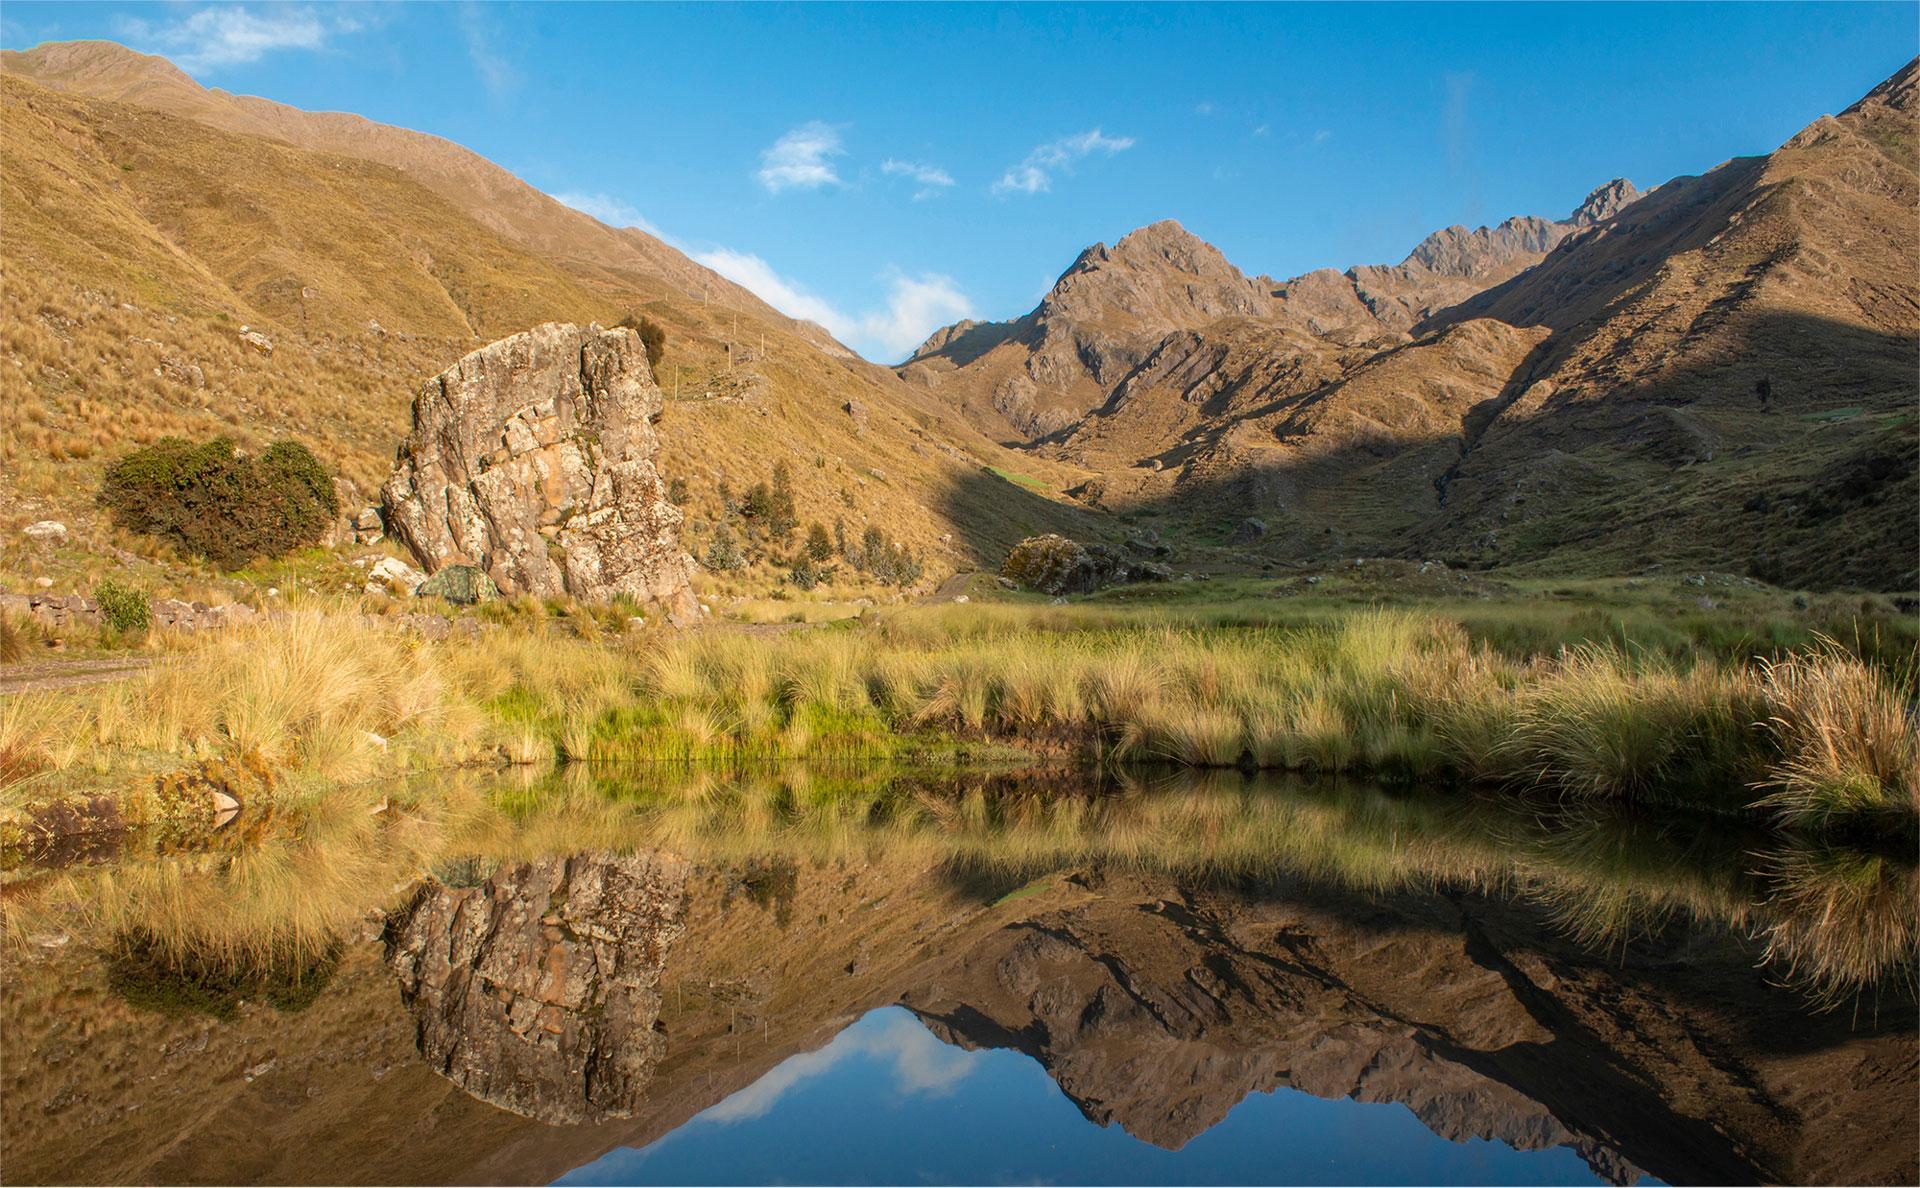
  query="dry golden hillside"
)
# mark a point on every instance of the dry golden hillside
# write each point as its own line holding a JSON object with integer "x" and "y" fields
{"x": 138, "y": 244}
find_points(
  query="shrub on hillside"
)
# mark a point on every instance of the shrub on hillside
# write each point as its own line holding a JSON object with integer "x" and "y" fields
{"x": 653, "y": 336}
{"x": 226, "y": 506}
{"x": 124, "y": 608}
{"x": 723, "y": 554}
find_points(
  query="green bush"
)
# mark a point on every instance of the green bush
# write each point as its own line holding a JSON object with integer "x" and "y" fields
{"x": 124, "y": 607}
{"x": 653, "y": 336}
{"x": 226, "y": 506}
{"x": 819, "y": 544}
{"x": 723, "y": 554}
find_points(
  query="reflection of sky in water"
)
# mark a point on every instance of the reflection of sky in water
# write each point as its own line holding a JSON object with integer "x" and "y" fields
{"x": 886, "y": 1102}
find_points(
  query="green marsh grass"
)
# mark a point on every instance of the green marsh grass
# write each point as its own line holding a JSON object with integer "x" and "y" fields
{"x": 1818, "y": 738}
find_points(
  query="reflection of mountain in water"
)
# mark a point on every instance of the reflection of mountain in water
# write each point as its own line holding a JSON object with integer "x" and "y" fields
{"x": 1154, "y": 1005}
{"x": 1162, "y": 956}
{"x": 1161, "y": 1016}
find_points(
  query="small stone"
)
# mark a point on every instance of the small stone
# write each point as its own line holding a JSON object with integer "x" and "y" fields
{"x": 397, "y": 572}
{"x": 47, "y": 532}
{"x": 44, "y": 583}
{"x": 273, "y": 591}
{"x": 960, "y": 598}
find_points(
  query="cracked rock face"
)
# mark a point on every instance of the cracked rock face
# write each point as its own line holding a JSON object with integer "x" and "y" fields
{"x": 538, "y": 990}
{"x": 533, "y": 459}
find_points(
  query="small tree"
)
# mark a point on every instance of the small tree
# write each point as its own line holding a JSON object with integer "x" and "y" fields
{"x": 758, "y": 503}
{"x": 819, "y": 544}
{"x": 677, "y": 491}
{"x": 722, "y": 553}
{"x": 839, "y": 536}
{"x": 782, "y": 519}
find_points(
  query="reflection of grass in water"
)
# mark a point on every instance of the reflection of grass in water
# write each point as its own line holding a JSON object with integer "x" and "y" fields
{"x": 154, "y": 974}
{"x": 1841, "y": 920}
{"x": 1834, "y": 921}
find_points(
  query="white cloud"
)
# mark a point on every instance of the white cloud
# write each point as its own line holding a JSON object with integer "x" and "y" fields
{"x": 932, "y": 178}
{"x": 922, "y": 1065}
{"x": 496, "y": 73}
{"x": 916, "y": 305}
{"x": 608, "y": 209}
{"x": 801, "y": 159}
{"x": 1204, "y": 108}
{"x": 221, "y": 35}
{"x": 1035, "y": 174}
{"x": 1322, "y": 136}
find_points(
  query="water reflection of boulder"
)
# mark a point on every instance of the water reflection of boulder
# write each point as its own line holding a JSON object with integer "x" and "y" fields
{"x": 538, "y": 990}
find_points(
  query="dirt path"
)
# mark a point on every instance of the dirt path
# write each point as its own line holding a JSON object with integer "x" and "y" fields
{"x": 954, "y": 585}
{"x": 68, "y": 674}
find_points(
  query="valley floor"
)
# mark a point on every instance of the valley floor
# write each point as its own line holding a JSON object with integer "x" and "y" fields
{"x": 1721, "y": 697}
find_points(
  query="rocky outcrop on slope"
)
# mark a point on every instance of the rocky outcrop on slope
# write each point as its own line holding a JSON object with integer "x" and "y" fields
{"x": 1453, "y": 264}
{"x": 1052, "y": 564}
{"x": 533, "y": 458}
{"x": 537, "y": 990}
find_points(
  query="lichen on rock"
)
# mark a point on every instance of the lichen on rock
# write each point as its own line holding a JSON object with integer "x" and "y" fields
{"x": 534, "y": 459}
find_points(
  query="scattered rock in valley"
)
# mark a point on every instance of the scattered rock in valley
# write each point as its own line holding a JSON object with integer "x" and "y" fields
{"x": 537, "y": 989}
{"x": 533, "y": 459}
{"x": 46, "y": 532}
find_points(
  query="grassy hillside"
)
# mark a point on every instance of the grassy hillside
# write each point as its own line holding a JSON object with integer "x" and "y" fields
{"x": 138, "y": 245}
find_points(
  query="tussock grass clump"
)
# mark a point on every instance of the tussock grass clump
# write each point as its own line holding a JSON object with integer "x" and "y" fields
{"x": 1820, "y": 739}
{"x": 1848, "y": 747}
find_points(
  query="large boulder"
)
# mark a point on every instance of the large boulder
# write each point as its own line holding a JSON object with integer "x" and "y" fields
{"x": 1053, "y": 564}
{"x": 533, "y": 458}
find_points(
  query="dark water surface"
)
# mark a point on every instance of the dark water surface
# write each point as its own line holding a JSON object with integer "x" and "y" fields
{"x": 807, "y": 978}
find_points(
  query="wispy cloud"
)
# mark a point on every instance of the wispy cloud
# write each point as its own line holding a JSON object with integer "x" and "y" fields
{"x": 922, "y": 1065}
{"x": 801, "y": 159}
{"x": 206, "y": 39}
{"x": 608, "y": 209}
{"x": 745, "y": 268}
{"x": 931, "y": 178}
{"x": 1034, "y": 174}
{"x": 497, "y": 74}
{"x": 916, "y": 306}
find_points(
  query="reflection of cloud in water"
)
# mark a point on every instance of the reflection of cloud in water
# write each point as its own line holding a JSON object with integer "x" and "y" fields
{"x": 922, "y": 1065}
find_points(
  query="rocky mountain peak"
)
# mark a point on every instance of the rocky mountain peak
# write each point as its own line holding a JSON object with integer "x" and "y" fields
{"x": 1160, "y": 274}
{"x": 1605, "y": 202}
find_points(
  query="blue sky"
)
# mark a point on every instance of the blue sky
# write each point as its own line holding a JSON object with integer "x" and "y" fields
{"x": 886, "y": 169}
